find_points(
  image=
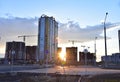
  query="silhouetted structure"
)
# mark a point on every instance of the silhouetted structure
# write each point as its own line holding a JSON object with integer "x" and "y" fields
{"x": 15, "y": 52}
{"x": 47, "y": 38}
{"x": 114, "y": 58}
{"x": 71, "y": 55}
{"x": 31, "y": 54}
{"x": 90, "y": 58}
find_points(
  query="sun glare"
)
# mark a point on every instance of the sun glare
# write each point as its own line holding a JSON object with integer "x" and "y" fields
{"x": 62, "y": 55}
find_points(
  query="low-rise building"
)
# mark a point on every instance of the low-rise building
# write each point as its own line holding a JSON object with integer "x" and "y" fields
{"x": 90, "y": 58}
{"x": 114, "y": 58}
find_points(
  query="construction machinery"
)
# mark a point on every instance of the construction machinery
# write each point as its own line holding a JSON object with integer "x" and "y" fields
{"x": 24, "y": 36}
{"x": 73, "y": 41}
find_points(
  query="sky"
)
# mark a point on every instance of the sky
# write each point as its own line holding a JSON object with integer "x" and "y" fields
{"x": 79, "y": 20}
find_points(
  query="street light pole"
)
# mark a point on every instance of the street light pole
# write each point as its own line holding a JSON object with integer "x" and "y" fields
{"x": 95, "y": 53}
{"x": 105, "y": 39}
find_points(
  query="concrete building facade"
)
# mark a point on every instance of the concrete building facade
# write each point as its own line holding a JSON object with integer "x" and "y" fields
{"x": 47, "y": 38}
{"x": 31, "y": 54}
{"x": 90, "y": 58}
{"x": 15, "y": 51}
{"x": 119, "y": 39}
{"x": 71, "y": 55}
{"x": 114, "y": 58}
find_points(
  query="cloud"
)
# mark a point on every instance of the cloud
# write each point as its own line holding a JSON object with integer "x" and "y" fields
{"x": 72, "y": 31}
{"x": 14, "y": 26}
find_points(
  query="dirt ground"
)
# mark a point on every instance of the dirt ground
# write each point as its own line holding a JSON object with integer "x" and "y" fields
{"x": 102, "y": 78}
{"x": 37, "y": 77}
{"x": 33, "y": 77}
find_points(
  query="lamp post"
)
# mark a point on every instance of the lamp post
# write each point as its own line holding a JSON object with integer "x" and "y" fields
{"x": 95, "y": 52}
{"x": 105, "y": 39}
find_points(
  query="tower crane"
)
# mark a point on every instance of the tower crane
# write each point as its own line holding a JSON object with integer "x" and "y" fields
{"x": 24, "y": 36}
{"x": 73, "y": 41}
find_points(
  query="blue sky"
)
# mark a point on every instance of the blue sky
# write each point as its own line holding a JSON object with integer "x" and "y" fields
{"x": 81, "y": 20}
{"x": 85, "y": 11}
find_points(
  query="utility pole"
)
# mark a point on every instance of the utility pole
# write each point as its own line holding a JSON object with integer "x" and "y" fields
{"x": 105, "y": 39}
{"x": 95, "y": 52}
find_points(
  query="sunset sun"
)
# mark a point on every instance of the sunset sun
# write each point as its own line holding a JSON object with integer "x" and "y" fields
{"x": 62, "y": 55}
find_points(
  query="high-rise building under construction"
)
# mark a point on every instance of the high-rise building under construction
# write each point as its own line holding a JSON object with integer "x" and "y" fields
{"x": 47, "y": 38}
{"x": 15, "y": 51}
{"x": 119, "y": 39}
{"x": 71, "y": 55}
